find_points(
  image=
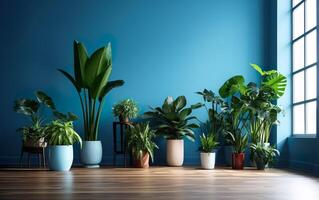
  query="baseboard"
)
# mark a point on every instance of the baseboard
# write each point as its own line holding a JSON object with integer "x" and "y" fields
{"x": 306, "y": 167}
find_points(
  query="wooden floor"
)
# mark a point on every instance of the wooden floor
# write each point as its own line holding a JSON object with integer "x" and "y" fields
{"x": 156, "y": 183}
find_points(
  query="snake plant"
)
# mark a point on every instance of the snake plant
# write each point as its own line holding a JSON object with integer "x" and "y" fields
{"x": 140, "y": 140}
{"x": 91, "y": 81}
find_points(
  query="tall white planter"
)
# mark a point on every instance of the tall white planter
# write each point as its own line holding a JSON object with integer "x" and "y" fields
{"x": 208, "y": 160}
{"x": 175, "y": 152}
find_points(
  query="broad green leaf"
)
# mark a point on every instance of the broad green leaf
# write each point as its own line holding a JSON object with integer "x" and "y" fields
{"x": 277, "y": 82}
{"x": 100, "y": 82}
{"x": 95, "y": 65}
{"x": 231, "y": 86}
{"x": 109, "y": 86}
{"x": 258, "y": 69}
{"x": 71, "y": 79}
{"x": 80, "y": 58}
{"x": 26, "y": 106}
{"x": 45, "y": 99}
{"x": 179, "y": 103}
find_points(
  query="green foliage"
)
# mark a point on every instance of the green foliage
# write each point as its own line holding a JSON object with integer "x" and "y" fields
{"x": 61, "y": 133}
{"x": 34, "y": 109}
{"x": 91, "y": 80}
{"x": 257, "y": 100}
{"x": 173, "y": 119}
{"x": 207, "y": 143}
{"x": 263, "y": 154}
{"x": 126, "y": 108}
{"x": 140, "y": 139}
{"x": 238, "y": 140}
{"x": 214, "y": 124}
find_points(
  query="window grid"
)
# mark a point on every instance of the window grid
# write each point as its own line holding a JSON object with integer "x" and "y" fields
{"x": 304, "y": 68}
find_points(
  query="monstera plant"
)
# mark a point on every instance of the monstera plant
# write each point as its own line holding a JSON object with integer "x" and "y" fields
{"x": 173, "y": 122}
{"x": 91, "y": 81}
{"x": 261, "y": 112}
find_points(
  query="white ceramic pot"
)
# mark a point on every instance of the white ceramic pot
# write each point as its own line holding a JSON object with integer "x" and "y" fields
{"x": 175, "y": 152}
{"x": 208, "y": 160}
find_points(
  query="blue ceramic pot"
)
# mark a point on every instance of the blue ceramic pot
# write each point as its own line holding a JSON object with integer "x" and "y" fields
{"x": 91, "y": 154}
{"x": 60, "y": 157}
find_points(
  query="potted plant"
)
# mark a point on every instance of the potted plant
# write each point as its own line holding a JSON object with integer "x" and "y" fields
{"x": 33, "y": 134}
{"x": 173, "y": 122}
{"x": 140, "y": 141}
{"x": 207, "y": 148}
{"x": 125, "y": 110}
{"x": 61, "y": 137}
{"x": 258, "y": 98}
{"x": 214, "y": 105}
{"x": 91, "y": 81}
{"x": 263, "y": 155}
{"x": 235, "y": 122}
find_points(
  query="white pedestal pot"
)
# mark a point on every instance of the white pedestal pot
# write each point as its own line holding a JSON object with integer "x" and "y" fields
{"x": 175, "y": 152}
{"x": 208, "y": 160}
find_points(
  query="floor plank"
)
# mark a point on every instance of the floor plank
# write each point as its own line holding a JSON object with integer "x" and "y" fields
{"x": 156, "y": 183}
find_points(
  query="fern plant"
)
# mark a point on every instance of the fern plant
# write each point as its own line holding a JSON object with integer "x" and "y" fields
{"x": 140, "y": 140}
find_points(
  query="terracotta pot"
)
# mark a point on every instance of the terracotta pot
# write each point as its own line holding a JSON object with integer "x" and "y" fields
{"x": 175, "y": 152}
{"x": 35, "y": 143}
{"x": 238, "y": 160}
{"x": 123, "y": 119}
{"x": 143, "y": 162}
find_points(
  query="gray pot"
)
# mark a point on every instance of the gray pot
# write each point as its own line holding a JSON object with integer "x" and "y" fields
{"x": 91, "y": 154}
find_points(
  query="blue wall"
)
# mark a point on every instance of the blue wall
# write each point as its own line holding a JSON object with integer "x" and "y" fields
{"x": 160, "y": 48}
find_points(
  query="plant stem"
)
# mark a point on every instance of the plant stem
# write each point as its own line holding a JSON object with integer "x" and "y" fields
{"x": 97, "y": 119}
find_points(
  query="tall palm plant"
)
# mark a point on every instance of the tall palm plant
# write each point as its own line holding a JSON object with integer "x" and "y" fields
{"x": 91, "y": 80}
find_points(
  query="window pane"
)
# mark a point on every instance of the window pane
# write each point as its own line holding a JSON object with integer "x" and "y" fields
{"x": 298, "y": 87}
{"x": 311, "y": 49}
{"x": 295, "y": 2}
{"x": 298, "y": 21}
{"x": 311, "y": 117}
{"x": 299, "y": 119}
{"x": 298, "y": 54}
{"x": 311, "y": 18}
{"x": 311, "y": 83}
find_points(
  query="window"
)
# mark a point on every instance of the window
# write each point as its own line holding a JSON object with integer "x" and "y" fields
{"x": 304, "y": 66}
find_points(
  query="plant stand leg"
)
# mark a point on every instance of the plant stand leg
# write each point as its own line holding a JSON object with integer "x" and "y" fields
{"x": 43, "y": 157}
{"x": 29, "y": 160}
{"x": 39, "y": 160}
{"x": 20, "y": 160}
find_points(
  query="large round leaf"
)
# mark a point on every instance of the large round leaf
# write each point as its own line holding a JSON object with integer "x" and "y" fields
{"x": 231, "y": 86}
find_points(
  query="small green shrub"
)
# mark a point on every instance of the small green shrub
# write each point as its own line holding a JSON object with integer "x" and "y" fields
{"x": 126, "y": 108}
{"x": 207, "y": 143}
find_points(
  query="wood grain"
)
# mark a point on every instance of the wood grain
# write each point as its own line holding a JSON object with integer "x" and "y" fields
{"x": 156, "y": 183}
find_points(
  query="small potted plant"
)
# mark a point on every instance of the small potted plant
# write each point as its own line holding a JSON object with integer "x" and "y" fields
{"x": 140, "y": 141}
{"x": 173, "y": 122}
{"x": 207, "y": 148}
{"x": 125, "y": 110}
{"x": 263, "y": 155}
{"x": 61, "y": 136}
{"x": 34, "y": 133}
{"x": 239, "y": 142}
